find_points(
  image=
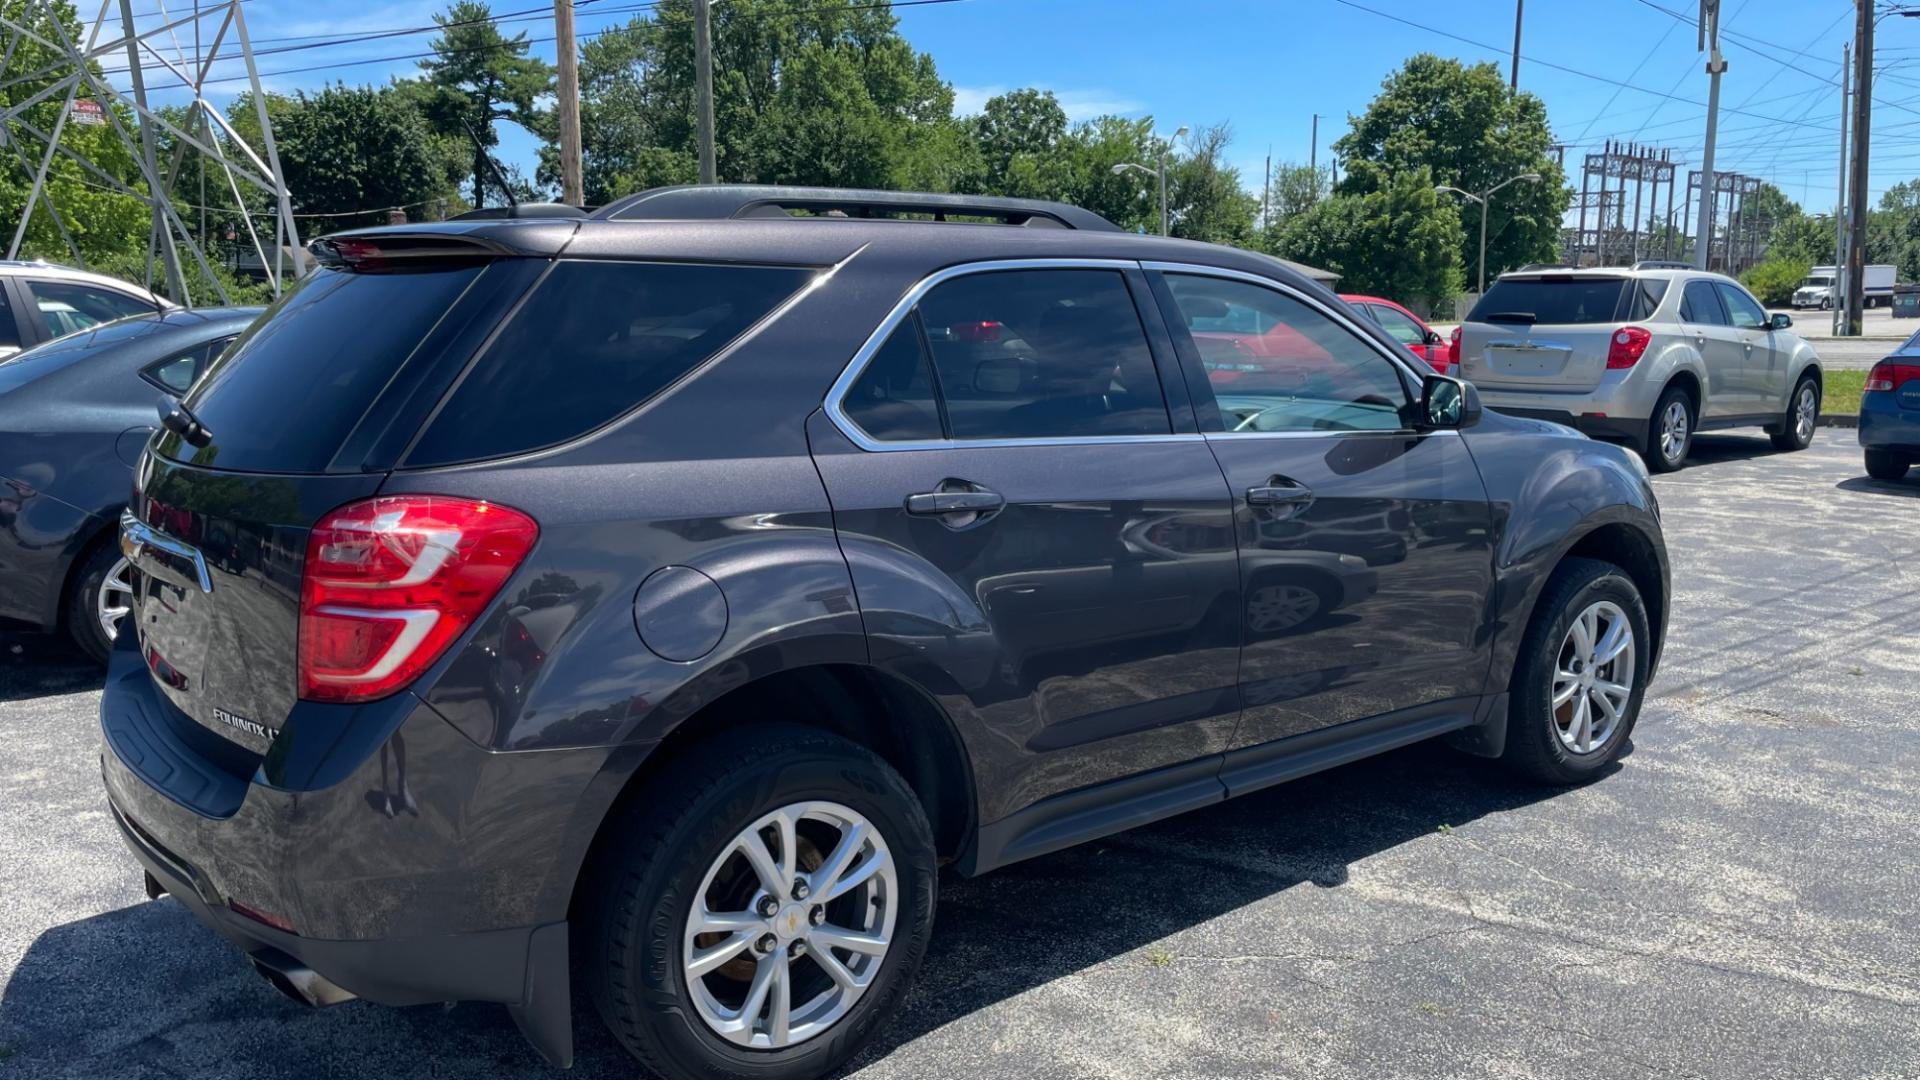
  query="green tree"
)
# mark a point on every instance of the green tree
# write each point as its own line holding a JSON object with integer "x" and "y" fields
{"x": 477, "y": 77}
{"x": 1470, "y": 131}
{"x": 804, "y": 93}
{"x": 1772, "y": 281}
{"x": 1205, "y": 197}
{"x": 1801, "y": 238}
{"x": 1401, "y": 241}
{"x": 349, "y": 149}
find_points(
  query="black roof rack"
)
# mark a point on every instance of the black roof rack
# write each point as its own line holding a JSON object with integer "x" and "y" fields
{"x": 709, "y": 202}
{"x": 521, "y": 210}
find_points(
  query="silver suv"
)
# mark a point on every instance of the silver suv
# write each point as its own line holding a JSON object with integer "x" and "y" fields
{"x": 1645, "y": 356}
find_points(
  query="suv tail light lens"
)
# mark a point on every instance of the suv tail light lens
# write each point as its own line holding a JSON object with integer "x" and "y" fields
{"x": 390, "y": 582}
{"x": 1627, "y": 345}
{"x": 1453, "y": 346}
{"x": 1892, "y": 374}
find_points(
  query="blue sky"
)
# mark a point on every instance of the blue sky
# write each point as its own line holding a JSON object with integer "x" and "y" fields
{"x": 1266, "y": 66}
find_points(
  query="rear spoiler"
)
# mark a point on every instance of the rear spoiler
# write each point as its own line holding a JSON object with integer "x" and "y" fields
{"x": 390, "y": 250}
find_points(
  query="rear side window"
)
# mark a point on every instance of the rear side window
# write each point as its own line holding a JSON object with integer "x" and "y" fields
{"x": 894, "y": 397}
{"x": 1552, "y": 300}
{"x": 1647, "y": 294}
{"x": 291, "y": 389}
{"x": 595, "y": 340}
{"x": 1700, "y": 305}
{"x": 1023, "y": 354}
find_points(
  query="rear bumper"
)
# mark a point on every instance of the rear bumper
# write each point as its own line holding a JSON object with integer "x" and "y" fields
{"x": 434, "y": 871}
{"x": 1612, "y": 428}
{"x": 1885, "y": 425}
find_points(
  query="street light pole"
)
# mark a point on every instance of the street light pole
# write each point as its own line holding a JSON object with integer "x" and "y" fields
{"x": 1160, "y": 174}
{"x": 1484, "y": 199}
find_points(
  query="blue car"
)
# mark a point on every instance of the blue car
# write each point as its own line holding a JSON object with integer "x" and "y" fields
{"x": 1890, "y": 413}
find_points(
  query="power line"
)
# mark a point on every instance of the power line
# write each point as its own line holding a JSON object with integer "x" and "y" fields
{"x": 1424, "y": 28}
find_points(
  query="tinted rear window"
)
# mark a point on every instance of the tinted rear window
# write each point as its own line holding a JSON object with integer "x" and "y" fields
{"x": 290, "y": 390}
{"x": 595, "y": 340}
{"x": 1553, "y": 300}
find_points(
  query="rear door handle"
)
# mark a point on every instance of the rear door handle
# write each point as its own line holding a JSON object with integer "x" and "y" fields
{"x": 1279, "y": 494}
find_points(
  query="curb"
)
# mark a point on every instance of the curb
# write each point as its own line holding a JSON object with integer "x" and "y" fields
{"x": 1841, "y": 420}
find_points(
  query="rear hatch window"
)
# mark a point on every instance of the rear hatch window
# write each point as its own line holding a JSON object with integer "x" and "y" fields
{"x": 288, "y": 393}
{"x": 1557, "y": 301}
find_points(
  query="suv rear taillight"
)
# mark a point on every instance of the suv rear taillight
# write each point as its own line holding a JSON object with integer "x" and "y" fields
{"x": 1891, "y": 374}
{"x": 390, "y": 582}
{"x": 1624, "y": 350}
{"x": 1453, "y": 347}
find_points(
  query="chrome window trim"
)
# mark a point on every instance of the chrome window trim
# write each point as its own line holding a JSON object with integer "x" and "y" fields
{"x": 836, "y": 394}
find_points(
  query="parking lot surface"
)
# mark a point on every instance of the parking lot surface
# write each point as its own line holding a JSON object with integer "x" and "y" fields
{"x": 1741, "y": 898}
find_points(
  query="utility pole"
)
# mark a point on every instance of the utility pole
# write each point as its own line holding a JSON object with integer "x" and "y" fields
{"x": 1266, "y": 188}
{"x": 567, "y": 104}
{"x": 1709, "y": 42}
{"x": 1839, "y": 286}
{"x": 1519, "y": 6}
{"x": 703, "y": 84}
{"x": 1313, "y": 154}
{"x": 1857, "y": 195}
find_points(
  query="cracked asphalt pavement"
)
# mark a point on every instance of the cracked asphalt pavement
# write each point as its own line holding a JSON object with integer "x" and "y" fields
{"x": 1740, "y": 899}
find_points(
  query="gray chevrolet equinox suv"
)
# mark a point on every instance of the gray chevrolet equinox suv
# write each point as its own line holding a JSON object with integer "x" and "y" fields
{"x": 652, "y": 601}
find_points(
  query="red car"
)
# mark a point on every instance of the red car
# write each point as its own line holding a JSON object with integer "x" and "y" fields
{"x": 1406, "y": 327}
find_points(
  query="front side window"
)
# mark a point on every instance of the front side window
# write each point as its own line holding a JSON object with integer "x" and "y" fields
{"x": 1700, "y": 305}
{"x": 67, "y": 307}
{"x": 1403, "y": 329}
{"x": 1303, "y": 372}
{"x": 1022, "y": 354}
{"x": 1741, "y": 308}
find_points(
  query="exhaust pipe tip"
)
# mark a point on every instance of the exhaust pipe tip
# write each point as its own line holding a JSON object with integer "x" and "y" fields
{"x": 297, "y": 980}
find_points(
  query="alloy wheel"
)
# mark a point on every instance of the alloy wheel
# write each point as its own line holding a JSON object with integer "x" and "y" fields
{"x": 791, "y": 925}
{"x": 114, "y": 599}
{"x": 1593, "y": 677}
{"x": 1674, "y": 424}
{"x": 1280, "y": 607}
{"x": 1805, "y": 412}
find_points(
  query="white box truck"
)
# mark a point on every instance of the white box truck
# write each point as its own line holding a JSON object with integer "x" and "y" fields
{"x": 1820, "y": 289}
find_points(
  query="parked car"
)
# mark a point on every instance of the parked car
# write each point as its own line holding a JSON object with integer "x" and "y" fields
{"x": 1890, "y": 413}
{"x": 1821, "y": 287}
{"x": 1405, "y": 327}
{"x": 74, "y": 414}
{"x": 1646, "y": 356}
{"x": 40, "y": 301}
{"x": 671, "y": 591}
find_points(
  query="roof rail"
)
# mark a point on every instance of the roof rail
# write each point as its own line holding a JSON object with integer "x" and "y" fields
{"x": 710, "y": 202}
{"x": 1662, "y": 264}
{"x": 521, "y": 210}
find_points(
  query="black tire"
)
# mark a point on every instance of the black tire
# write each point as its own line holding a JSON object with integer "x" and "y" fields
{"x": 82, "y": 620}
{"x": 1657, "y": 459}
{"x": 1826, "y": 303}
{"x": 1788, "y": 439}
{"x": 1887, "y": 464}
{"x": 642, "y": 891}
{"x": 1534, "y": 747}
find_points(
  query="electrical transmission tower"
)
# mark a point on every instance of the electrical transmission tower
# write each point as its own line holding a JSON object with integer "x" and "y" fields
{"x": 76, "y": 79}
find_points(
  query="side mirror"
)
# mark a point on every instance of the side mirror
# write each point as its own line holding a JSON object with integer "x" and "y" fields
{"x": 1780, "y": 321}
{"x": 1433, "y": 338}
{"x": 1447, "y": 403}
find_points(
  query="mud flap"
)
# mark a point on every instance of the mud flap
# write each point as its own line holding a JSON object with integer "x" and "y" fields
{"x": 545, "y": 1012}
{"x": 1487, "y": 735}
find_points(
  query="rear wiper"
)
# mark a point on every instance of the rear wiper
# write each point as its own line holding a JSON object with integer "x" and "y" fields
{"x": 177, "y": 418}
{"x": 1511, "y": 316}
